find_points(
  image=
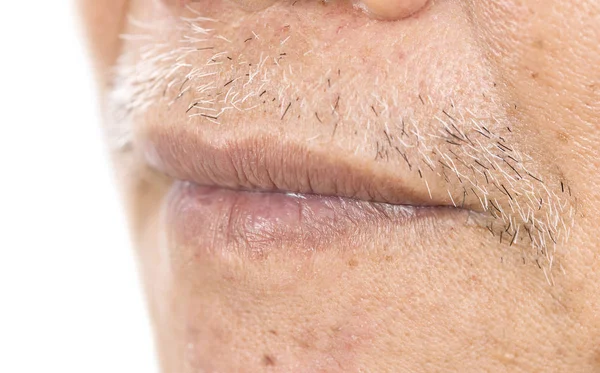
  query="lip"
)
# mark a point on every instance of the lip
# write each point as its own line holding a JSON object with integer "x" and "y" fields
{"x": 268, "y": 164}
{"x": 253, "y": 225}
{"x": 254, "y": 197}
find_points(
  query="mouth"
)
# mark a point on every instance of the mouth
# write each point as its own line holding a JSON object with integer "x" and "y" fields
{"x": 258, "y": 195}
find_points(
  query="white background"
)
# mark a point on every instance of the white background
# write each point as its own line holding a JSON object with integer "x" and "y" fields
{"x": 70, "y": 299}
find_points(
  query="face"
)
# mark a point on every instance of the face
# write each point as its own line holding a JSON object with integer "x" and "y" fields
{"x": 359, "y": 187}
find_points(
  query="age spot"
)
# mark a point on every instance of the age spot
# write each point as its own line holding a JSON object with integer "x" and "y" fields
{"x": 562, "y": 137}
{"x": 538, "y": 44}
{"x": 268, "y": 360}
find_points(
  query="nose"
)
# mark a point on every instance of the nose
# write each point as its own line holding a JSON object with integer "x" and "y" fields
{"x": 390, "y": 10}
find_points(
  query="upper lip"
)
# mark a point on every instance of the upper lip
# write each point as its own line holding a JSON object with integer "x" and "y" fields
{"x": 269, "y": 164}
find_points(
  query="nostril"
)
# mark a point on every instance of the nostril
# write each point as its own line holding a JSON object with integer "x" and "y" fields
{"x": 390, "y": 10}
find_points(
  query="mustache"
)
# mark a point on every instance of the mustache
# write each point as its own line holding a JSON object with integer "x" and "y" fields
{"x": 212, "y": 78}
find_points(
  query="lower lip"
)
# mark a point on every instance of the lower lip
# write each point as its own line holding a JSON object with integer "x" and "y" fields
{"x": 253, "y": 224}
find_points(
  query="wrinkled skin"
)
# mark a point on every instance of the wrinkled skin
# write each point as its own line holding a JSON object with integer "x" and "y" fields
{"x": 432, "y": 295}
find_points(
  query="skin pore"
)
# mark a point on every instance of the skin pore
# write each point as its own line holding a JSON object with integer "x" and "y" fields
{"x": 487, "y": 110}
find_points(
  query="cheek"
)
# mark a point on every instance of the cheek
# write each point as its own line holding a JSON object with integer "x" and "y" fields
{"x": 534, "y": 46}
{"x": 545, "y": 57}
{"x": 536, "y": 35}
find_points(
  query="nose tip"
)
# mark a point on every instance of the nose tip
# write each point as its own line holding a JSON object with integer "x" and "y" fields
{"x": 390, "y": 10}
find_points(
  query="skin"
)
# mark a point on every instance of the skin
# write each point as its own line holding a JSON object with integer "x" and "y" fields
{"x": 437, "y": 295}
